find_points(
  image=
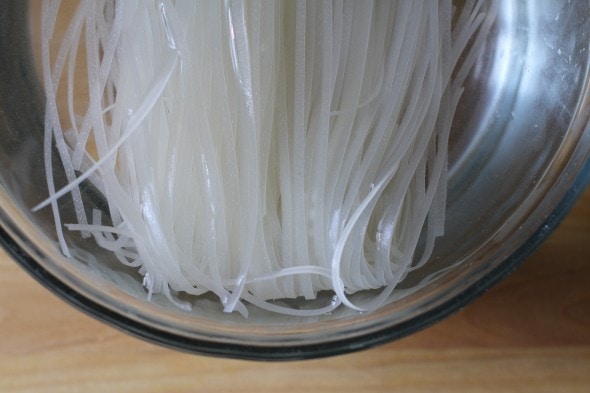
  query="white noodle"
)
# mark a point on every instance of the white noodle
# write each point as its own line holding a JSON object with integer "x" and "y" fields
{"x": 261, "y": 150}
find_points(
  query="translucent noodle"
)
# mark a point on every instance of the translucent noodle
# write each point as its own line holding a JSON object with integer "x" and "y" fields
{"x": 261, "y": 150}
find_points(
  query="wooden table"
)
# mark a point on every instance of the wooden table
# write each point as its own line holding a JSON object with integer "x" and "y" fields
{"x": 531, "y": 333}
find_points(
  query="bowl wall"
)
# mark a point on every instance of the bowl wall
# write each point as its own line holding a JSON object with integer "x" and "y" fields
{"x": 518, "y": 157}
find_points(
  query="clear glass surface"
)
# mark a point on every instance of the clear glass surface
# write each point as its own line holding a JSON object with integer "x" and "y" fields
{"x": 518, "y": 158}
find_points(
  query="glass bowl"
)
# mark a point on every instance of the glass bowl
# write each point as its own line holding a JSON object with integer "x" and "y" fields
{"x": 519, "y": 157}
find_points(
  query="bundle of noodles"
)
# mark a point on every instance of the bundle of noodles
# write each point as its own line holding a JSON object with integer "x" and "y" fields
{"x": 260, "y": 150}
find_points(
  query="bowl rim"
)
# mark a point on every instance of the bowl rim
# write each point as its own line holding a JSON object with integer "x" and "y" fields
{"x": 297, "y": 352}
{"x": 24, "y": 254}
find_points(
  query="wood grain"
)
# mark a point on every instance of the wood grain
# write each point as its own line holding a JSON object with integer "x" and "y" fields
{"x": 531, "y": 333}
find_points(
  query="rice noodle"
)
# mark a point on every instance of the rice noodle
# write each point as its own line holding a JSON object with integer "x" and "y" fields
{"x": 261, "y": 150}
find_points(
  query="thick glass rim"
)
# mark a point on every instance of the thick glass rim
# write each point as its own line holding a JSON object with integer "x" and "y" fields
{"x": 258, "y": 352}
{"x": 29, "y": 256}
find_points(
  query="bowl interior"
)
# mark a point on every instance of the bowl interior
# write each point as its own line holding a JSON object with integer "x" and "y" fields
{"x": 517, "y": 144}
